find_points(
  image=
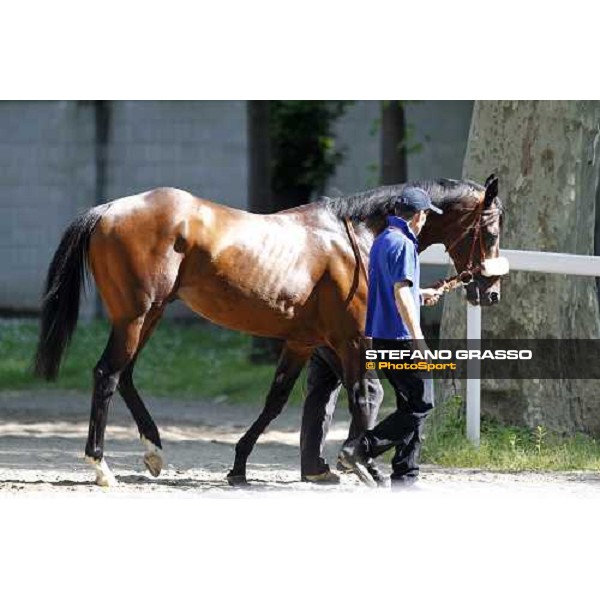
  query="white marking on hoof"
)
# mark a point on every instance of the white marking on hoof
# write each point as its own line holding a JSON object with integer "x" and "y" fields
{"x": 153, "y": 458}
{"x": 104, "y": 476}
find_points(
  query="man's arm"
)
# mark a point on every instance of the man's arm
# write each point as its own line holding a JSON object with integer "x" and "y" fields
{"x": 405, "y": 304}
{"x": 408, "y": 311}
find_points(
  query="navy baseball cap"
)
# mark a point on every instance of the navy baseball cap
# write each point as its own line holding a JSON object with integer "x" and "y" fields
{"x": 416, "y": 198}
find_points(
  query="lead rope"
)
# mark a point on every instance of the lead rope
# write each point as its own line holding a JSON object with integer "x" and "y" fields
{"x": 451, "y": 283}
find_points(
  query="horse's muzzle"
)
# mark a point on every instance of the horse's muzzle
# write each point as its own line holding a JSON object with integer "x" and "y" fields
{"x": 478, "y": 297}
{"x": 493, "y": 298}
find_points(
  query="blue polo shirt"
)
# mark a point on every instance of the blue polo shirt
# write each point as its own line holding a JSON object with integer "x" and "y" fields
{"x": 393, "y": 258}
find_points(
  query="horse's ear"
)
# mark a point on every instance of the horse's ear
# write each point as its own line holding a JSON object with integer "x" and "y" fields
{"x": 489, "y": 180}
{"x": 491, "y": 191}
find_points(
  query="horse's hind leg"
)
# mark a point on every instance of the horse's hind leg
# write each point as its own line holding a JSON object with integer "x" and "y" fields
{"x": 290, "y": 365}
{"x": 121, "y": 348}
{"x": 147, "y": 428}
{"x": 363, "y": 404}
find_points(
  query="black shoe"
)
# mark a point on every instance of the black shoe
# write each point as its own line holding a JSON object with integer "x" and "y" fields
{"x": 353, "y": 457}
{"x": 402, "y": 483}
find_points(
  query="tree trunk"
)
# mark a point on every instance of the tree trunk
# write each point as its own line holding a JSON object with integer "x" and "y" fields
{"x": 597, "y": 237}
{"x": 547, "y": 157}
{"x": 393, "y": 148}
{"x": 259, "y": 157}
{"x": 260, "y": 199}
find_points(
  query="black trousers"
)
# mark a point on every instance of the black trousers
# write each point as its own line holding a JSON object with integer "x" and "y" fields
{"x": 403, "y": 428}
{"x": 324, "y": 381}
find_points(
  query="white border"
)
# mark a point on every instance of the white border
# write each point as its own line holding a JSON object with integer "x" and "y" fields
{"x": 267, "y": 49}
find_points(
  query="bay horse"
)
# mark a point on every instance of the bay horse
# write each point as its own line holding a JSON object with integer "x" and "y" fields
{"x": 292, "y": 275}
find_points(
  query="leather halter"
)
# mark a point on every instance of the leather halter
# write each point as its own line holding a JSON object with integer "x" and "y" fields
{"x": 466, "y": 276}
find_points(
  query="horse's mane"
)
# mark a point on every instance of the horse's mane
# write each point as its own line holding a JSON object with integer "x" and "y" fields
{"x": 377, "y": 202}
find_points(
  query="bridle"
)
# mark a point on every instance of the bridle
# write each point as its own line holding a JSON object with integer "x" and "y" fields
{"x": 467, "y": 275}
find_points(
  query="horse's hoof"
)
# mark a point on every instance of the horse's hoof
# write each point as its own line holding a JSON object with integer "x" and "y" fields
{"x": 153, "y": 458}
{"x": 236, "y": 480}
{"x": 154, "y": 463}
{"x": 106, "y": 480}
{"x": 104, "y": 476}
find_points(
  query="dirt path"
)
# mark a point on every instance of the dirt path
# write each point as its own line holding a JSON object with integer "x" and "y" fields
{"x": 42, "y": 436}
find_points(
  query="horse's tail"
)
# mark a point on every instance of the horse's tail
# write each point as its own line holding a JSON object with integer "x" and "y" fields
{"x": 60, "y": 304}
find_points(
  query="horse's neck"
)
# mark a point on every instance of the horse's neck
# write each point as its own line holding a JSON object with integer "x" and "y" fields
{"x": 366, "y": 233}
{"x": 430, "y": 237}
{"x": 436, "y": 231}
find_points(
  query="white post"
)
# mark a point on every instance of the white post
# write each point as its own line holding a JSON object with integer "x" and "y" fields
{"x": 473, "y": 373}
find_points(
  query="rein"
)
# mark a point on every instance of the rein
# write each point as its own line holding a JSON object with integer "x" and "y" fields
{"x": 466, "y": 276}
{"x": 356, "y": 248}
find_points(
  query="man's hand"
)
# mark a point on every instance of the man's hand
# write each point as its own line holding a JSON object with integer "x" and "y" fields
{"x": 420, "y": 345}
{"x": 430, "y": 296}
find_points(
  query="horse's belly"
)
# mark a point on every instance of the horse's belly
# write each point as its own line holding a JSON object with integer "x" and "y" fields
{"x": 247, "y": 312}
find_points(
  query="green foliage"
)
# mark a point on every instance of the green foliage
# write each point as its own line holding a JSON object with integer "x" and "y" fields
{"x": 191, "y": 360}
{"x": 539, "y": 434}
{"x": 303, "y": 145}
{"x": 503, "y": 448}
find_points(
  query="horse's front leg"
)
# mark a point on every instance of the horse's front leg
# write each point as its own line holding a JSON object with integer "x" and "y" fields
{"x": 369, "y": 407}
{"x": 365, "y": 395}
{"x": 289, "y": 367}
{"x": 363, "y": 405}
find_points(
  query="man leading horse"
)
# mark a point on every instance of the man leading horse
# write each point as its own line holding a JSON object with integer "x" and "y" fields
{"x": 325, "y": 379}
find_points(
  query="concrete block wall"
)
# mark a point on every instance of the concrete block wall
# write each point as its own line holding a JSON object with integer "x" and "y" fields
{"x": 197, "y": 146}
{"x": 441, "y": 128}
{"x": 48, "y": 165}
{"x": 48, "y": 170}
{"x": 46, "y": 177}
{"x": 357, "y": 134}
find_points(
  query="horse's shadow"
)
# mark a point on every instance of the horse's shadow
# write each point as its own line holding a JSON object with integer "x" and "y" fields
{"x": 254, "y": 484}
{"x": 37, "y": 482}
{"x": 175, "y": 483}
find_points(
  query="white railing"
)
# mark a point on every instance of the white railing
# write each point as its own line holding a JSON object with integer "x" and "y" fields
{"x": 520, "y": 260}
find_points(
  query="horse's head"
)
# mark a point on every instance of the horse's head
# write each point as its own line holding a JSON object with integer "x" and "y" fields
{"x": 470, "y": 228}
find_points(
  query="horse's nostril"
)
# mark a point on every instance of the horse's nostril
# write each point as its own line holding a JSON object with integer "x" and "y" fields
{"x": 494, "y": 297}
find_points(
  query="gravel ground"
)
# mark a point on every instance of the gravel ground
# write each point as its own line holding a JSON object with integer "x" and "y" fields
{"x": 42, "y": 436}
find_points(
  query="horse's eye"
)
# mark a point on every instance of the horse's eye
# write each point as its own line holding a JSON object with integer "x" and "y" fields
{"x": 491, "y": 237}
